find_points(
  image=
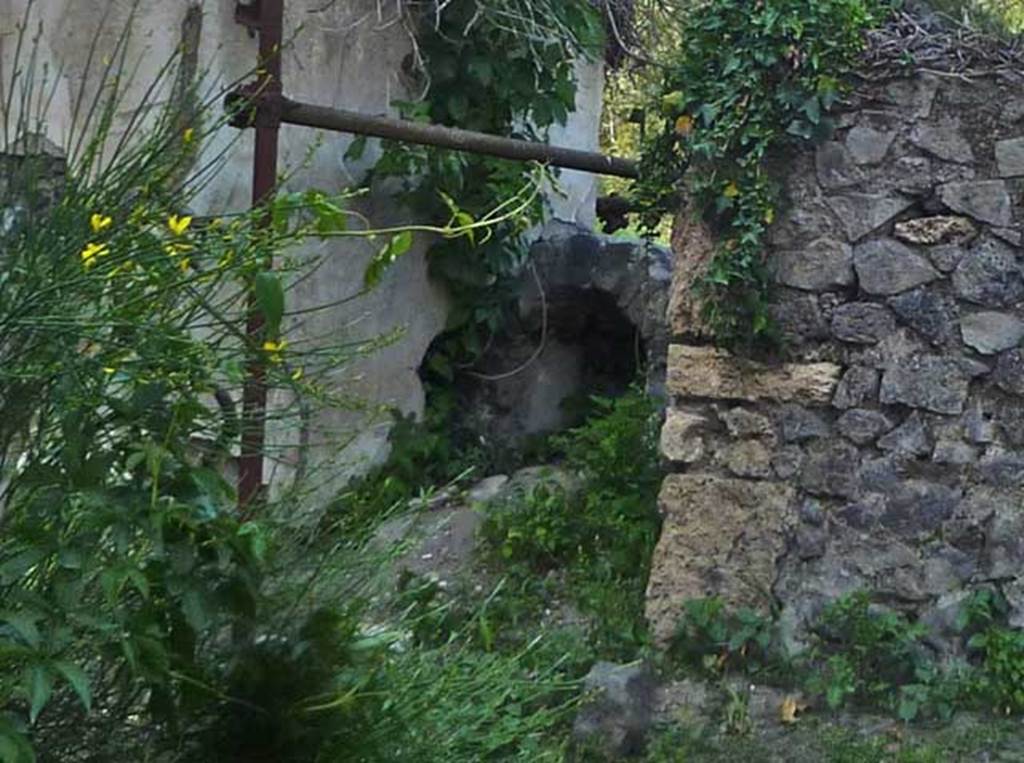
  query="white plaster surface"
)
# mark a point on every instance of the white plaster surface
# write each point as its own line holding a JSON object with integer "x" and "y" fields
{"x": 346, "y": 53}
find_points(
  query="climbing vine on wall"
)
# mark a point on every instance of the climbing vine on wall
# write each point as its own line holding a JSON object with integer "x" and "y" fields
{"x": 751, "y": 76}
{"x": 494, "y": 68}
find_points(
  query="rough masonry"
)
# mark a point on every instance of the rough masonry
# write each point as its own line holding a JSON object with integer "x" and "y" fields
{"x": 883, "y": 448}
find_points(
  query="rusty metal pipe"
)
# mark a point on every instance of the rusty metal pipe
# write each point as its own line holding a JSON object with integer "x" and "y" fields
{"x": 266, "y": 19}
{"x": 340, "y": 120}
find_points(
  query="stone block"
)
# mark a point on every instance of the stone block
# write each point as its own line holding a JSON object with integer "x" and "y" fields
{"x": 858, "y": 386}
{"x": 863, "y": 213}
{"x": 862, "y": 426}
{"x": 741, "y": 422}
{"x": 681, "y": 436}
{"x": 709, "y": 372}
{"x": 747, "y": 458}
{"x": 944, "y": 140}
{"x": 940, "y": 229}
{"x": 1010, "y": 157}
{"x": 868, "y": 145}
{"x": 862, "y": 322}
{"x": 932, "y": 383}
{"x": 822, "y": 264}
{"x": 911, "y": 438}
{"x": 984, "y": 200}
{"x": 990, "y": 275}
{"x": 991, "y": 332}
{"x": 929, "y": 312}
{"x": 619, "y": 710}
{"x": 721, "y": 537}
{"x": 885, "y": 266}
{"x": 836, "y": 166}
{"x": 830, "y": 469}
{"x": 1009, "y": 373}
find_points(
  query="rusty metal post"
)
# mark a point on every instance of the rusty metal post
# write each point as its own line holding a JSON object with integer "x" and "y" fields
{"x": 265, "y": 18}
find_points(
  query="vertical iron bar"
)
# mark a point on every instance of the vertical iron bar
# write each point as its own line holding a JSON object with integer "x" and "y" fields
{"x": 266, "y": 18}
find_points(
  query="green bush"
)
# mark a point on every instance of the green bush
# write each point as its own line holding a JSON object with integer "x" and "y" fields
{"x": 714, "y": 639}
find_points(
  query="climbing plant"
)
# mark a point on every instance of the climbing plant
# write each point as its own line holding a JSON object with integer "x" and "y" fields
{"x": 504, "y": 67}
{"x": 750, "y": 77}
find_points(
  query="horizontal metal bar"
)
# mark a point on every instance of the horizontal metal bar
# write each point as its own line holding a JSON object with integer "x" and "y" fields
{"x": 340, "y": 120}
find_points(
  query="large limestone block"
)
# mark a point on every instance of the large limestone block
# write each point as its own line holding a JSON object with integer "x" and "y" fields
{"x": 693, "y": 247}
{"x": 721, "y": 537}
{"x": 709, "y": 372}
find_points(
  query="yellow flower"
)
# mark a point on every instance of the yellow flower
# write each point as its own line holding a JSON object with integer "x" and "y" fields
{"x": 188, "y": 136}
{"x": 179, "y": 225}
{"x": 185, "y": 264}
{"x": 769, "y": 216}
{"x": 684, "y": 125}
{"x": 731, "y": 191}
{"x": 297, "y": 374}
{"x": 174, "y": 249}
{"x": 109, "y": 370}
{"x": 274, "y": 349}
{"x": 91, "y": 252}
{"x": 100, "y": 222}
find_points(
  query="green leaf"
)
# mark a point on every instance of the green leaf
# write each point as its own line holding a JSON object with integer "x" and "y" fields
{"x": 356, "y": 149}
{"x": 270, "y": 299}
{"x": 395, "y": 248}
{"x": 24, "y": 625}
{"x": 79, "y": 681}
{"x": 39, "y": 688}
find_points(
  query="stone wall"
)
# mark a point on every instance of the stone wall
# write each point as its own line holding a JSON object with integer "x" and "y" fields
{"x": 883, "y": 449}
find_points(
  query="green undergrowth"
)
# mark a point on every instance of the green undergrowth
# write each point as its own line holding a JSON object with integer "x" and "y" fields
{"x": 865, "y": 657}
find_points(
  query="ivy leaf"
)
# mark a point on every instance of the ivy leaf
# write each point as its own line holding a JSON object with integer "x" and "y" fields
{"x": 395, "y": 248}
{"x": 79, "y": 681}
{"x": 39, "y": 688}
{"x": 270, "y": 299}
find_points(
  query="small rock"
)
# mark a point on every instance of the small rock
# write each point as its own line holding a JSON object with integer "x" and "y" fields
{"x": 914, "y": 96}
{"x": 1002, "y": 469}
{"x": 990, "y": 332}
{"x": 861, "y": 426}
{"x": 990, "y": 275}
{"x": 1009, "y": 373}
{"x": 787, "y": 462}
{"x": 881, "y": 475}
{"x": 1011, "y": 236}
{"x": 822, "y": 264}
{"x": 836, "y": 166}
{"x": 830, "y": 469}
{"x": 985, "y": 200}
{"x": 913, "y": 175}
{"x": 798, "y": 317}
{"x": 910, "y": 439}
{"x": 744, "y": 423}
{"x": 919, "y": 506}
{"x": 979, "y": 426}
{"x": 811, "y": 542}
{"x": 1010, "y": 157}
{"x": 945, "y": 257}
{"x": 619, "y": 715}
{"x": 811, "y": 513}
{"x": 681, "y": 441}
{"x": 863, "y": 514}
{"x": 748, "y": 458}
{"x": 935, "y": 384}
{"x": 930, "y": 313}
{"x": 940, "y": 229}
{"x": 954, "y": 453}
{"x": 858, "y": 386}
{"x": 867, "y": 145}
{"x": 862, "y": 322}
{"x": 862, "y": 213}
{"x": 487, "y": 489}
{"x": 943, "y": 140}
{"x": 799, "y": 424}
{"x": 888, "y": 267}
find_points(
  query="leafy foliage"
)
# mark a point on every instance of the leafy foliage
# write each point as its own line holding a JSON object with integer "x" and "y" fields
{"x": 519, "y": 93}
{"x": 713, "y": 639}
{"x": 750, "y": 78}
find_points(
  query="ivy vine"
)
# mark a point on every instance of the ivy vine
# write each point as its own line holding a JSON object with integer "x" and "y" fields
{"x": 751, "y": 76}
{"x": 493, "y": 68}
